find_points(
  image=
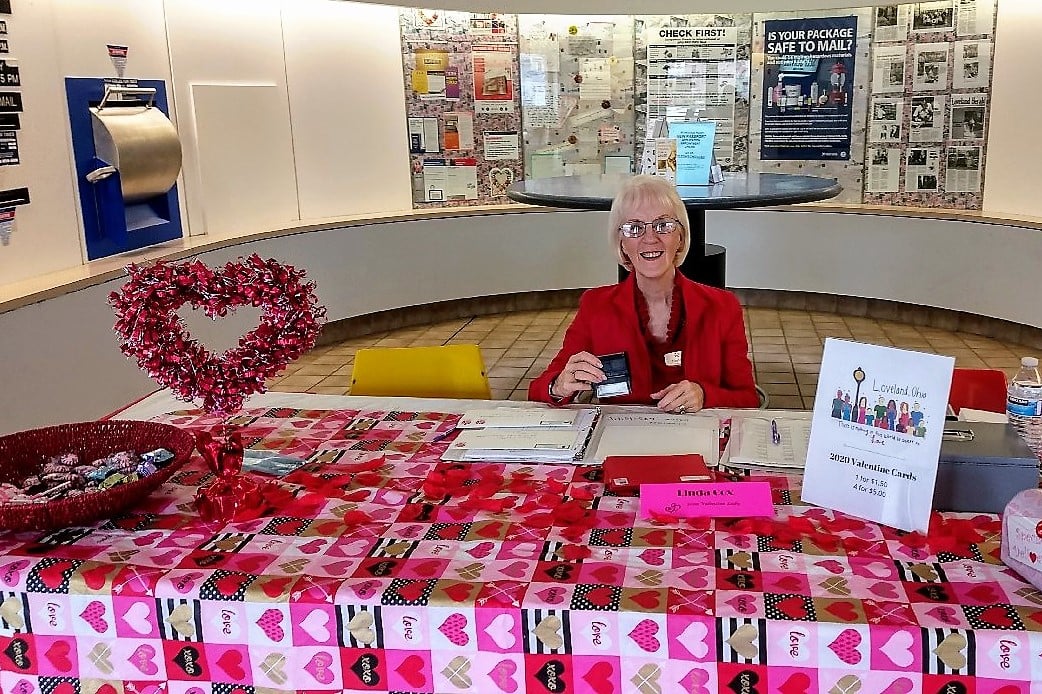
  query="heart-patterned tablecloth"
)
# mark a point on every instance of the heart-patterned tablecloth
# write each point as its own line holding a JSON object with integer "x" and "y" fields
{"x": 393, "y": 571}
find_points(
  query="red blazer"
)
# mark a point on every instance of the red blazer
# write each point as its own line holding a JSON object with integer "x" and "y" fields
{"x": 714, "y": 352}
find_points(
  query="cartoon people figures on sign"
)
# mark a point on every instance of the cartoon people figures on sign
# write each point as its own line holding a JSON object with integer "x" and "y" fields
{"x": 891, "y": 415}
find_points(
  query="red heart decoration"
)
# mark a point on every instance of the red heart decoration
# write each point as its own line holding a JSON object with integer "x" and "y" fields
{"x": 843, "y": 610}
{"x": 599, "y": 678}
{"x": 97, "y": 577}
{"x": 411, "y": 670}
{"x": 58, "y": 654}
{"x": 275, "y": 587}
{"x": 793, "y": 607}
{"x": 230, "y": 584}
{"x": 797, "y": 684}
{"x": 997, "y": 616}
{"x": 983, "y": 594}
{"x": 412, "y": 591}
{"x": 649, "y": 599}
{"x": 458, "y": 591}
{"x": 606, "y": 573}
{"x": 231, "y": 663}
{"x": 151, "y": 332}
{"x": 54, "y": 575}
{"x": 601, "y": 596}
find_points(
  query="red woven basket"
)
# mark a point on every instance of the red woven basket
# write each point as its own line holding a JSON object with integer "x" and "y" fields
{"x": 23, "y": 454}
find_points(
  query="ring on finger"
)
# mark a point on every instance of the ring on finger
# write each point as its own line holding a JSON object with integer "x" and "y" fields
{"x": 682, "y": 409}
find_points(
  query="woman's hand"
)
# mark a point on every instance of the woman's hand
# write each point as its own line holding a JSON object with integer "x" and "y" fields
{"x": 581, "y": 370}
{"x": 681, "y": 397}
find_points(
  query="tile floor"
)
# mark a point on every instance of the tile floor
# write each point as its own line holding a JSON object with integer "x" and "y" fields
{"x": 785, "y": 347}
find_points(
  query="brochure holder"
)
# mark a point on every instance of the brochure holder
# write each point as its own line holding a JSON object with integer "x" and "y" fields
{"x": 659, "y": 130}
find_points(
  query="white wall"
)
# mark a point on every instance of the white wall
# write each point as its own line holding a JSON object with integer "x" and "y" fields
{"x": 46, "y": 233}
{"x": 1014, "y": 146}
{"x": 344, "y": 69}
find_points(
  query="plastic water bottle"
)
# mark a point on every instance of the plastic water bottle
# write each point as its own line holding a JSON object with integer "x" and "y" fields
{"x": 1024, "y": 403}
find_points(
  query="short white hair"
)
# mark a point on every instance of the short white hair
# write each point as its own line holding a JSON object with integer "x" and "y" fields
{"x": 653, "y": 190}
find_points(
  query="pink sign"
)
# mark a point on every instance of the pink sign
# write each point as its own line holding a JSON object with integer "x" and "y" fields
{"x": 714, "y": 499}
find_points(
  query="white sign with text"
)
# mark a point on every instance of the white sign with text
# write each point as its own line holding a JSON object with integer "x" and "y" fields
{"x": 876, "y": 432}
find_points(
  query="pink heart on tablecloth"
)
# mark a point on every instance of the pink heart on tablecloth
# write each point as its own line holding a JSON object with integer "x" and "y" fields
{"x": 644, "y": 635}
{"x": 481, "y": 550}
{"x": 696, "y": 578}
{"x": 11, "y": 574}
{"x": 694, "y": 680}
{"x": 319, "y": 668}
{"x": 831, "y": 565}
{"x": 518, "y": 570}
{"x": 501, "y": 631}
{"x": 943, "y": 613}
{"x": 898, "y": 649}
{"x": 139, "y": 618}
{"x": 454, "y": 629}
{"x": 884, "y": 590}
{"x": 503, "y": 675}
{"x": 271, "y": 624}
{"x": 902, "y": 685}
{"x": 653, "y": 556}
{"x": 94, "y": 615}
{"x": 845, "y": 646}
{"x": 314, "y": 625}
{"x": 693, "y": 638}
{"x": 142, "y": 659}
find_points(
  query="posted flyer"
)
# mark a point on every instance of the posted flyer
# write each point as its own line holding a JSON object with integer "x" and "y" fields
{"x": 692, "y": 73}
{"x": 808, "y": 88}
{"x": 876, "y": 432}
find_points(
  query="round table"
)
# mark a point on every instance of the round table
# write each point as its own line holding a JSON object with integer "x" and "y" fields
{"x": 704, "y": 263}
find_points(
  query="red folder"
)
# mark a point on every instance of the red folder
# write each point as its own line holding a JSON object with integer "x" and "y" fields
{"x": 623, "y": 474}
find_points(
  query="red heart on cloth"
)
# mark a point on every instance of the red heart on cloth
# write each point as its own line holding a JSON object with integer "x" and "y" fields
{"x": 789, "y": 583}
{"x": 53, "y": 575}
{"x": 649, "y": 599}
{"x": 58, "y": 654}
{"x": 997, "y": 616}
{"x": 983, "y": 594}
{"x": 606, "y": 573}
{"x": 412, "y": 591}
{"x": 96, "y": 578}
{"x": 231, "y": 663}
{"x": 793, "y": 607}
{"x": 411, "y": 670}
{"x": 844, "y": 610}
{"x": 601, "y": 596}
{"x": 599, "y": 678}
{"x": 458, "y": 592}
{"x": 275, "y": 587}
{"x": 229, "y": 584}
{"x": 797, "y": 684}
{"x": 151, "y": 332}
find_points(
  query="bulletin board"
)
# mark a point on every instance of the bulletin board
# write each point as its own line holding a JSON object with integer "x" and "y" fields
{"x": 462, "y": 97}
{"x": 930, "y": 101}
{"x": 695, "y": 65}
{"x": 577, "y": 94}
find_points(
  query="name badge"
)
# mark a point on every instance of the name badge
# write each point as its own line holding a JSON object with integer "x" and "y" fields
{"x": 673, "y": 358}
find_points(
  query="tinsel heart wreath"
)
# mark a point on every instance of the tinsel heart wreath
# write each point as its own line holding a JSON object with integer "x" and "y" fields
{"x": 151, "y": 331}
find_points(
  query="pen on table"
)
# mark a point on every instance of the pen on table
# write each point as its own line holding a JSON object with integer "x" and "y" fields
{"x": 775, "y": 436}
{"x": 443, "y": 435}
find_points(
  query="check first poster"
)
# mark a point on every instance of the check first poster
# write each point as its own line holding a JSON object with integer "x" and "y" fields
{"x": 876, "y": 432}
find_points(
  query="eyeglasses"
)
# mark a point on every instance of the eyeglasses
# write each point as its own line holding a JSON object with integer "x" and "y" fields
{"x": 662, "y": 227}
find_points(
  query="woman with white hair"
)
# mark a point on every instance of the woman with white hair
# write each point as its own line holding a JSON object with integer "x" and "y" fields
{"x": 684, "y": 342}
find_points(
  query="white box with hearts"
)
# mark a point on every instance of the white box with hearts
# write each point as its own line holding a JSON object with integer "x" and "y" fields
{"x": 1022, "y": 536}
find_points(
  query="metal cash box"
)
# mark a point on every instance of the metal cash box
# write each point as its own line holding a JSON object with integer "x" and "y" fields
{"x": 982, "y": 466}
